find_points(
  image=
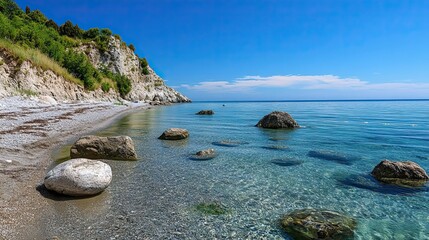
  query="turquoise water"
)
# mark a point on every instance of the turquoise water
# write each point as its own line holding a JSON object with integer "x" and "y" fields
{"x": 155, "y": 197}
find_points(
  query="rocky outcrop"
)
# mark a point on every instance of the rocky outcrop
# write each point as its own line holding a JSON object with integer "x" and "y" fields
{"x": 318, "y": 224}
{"x": 206, "y": 154}
{"x": 277, "y": 120}
{"x": 205, "y": 112}
{"x": 121, "y": 59}
{"x": 401, "y": 173}
{"x": 94, "y": 147}
{"x": 79, "y": 177}
{"x": 25, "y": 79}
{"x": 174, "y": 134}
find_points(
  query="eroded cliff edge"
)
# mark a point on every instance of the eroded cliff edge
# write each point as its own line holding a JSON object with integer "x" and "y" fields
{"x": 19, "y": 77}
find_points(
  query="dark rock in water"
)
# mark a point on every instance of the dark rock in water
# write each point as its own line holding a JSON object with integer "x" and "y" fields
{"x": 287, "y": 162}
{"x": 228, "y": 143}
{"x": 205, "y": 112}
{"x": 204, "y": 155}
{"x": 318, "y": 224}
{"x": 276, "y": 139}
{"x": 370, "y": 183}
{"x": 334, "y": 156}
{"x": 174, "y": 134}
{"x": 276, "y": 120}
{"x": 95, "y": 147}
{"x": 277, "y": 147}
{"x": 400, "y": 173}
{"x": 422, "y": 157}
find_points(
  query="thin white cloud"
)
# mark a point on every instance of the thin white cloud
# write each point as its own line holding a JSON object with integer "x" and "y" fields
{"x": 300, "y": 82}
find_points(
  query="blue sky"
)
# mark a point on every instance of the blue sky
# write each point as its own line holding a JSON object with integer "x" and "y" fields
{"x": 270, "y": 50}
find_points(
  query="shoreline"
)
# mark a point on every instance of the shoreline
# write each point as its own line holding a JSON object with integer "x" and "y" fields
{"x": 30, "y": 133}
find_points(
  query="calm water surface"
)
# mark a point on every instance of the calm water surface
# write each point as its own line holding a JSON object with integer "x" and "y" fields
{"x": 155, "y": 197}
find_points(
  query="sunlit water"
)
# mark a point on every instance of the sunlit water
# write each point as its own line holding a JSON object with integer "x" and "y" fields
{"x": 155, "y": 197}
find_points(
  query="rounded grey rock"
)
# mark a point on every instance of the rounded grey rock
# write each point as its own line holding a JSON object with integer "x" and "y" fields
{"x": 79, "y": 177}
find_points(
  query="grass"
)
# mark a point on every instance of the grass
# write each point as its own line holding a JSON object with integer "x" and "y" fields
{"x": 38, "y": 59}
{"x": 27, "y": 92}
{"x": 111, "y": 83}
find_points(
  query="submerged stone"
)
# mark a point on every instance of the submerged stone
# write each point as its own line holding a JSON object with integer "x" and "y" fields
{"x": 174, "y": 134}
{"x": 318, "y": 224}
{"x": 211, "y": 208}
{"x": 334, "y": 156}
{"x": 277, "y": 120}
{"x": 368, "y": 182}
{"x": 400, "y": 173}
{"x": 228, "y": 143}
{"x": 204, "y": 155}
{"x": 277, "y": 147}
{"x": 287, "y": 162}
{"x": 95, "y": 147}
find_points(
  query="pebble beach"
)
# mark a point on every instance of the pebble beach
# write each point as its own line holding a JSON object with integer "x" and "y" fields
{"x": 30, "y": 129}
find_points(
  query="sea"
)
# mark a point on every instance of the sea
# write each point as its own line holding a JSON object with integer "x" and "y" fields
{"x": 259, "y": 175}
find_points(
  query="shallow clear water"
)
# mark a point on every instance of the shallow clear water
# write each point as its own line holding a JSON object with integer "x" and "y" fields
{"x": 155, "y": 197}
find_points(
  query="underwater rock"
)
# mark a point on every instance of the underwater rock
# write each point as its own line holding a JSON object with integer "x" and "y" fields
{"x": 277, "y": 147}
{"x": 95, "y": 147}
{"x": 206, "y": 154}
{"x": 287, "y": 162}
{"x": 205, "y": 112}
{"x": 334, "y": 156}
{"x": 174, "y": 134}
{"x": 368, "y": 182}
{"x": 318, "y": 224}
{"x": 277, "y": 120}
{"x": 79, "y": 177}
{"x": 400, "y": 173}
{"x": 211, "y": 208}
{"x": 228, "y": 143}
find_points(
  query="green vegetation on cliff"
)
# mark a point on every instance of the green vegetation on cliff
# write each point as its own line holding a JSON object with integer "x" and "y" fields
{"x": 31, "y": 36}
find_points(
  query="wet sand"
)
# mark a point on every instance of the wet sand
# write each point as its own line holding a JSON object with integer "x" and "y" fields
{"x": 29, "y": 132}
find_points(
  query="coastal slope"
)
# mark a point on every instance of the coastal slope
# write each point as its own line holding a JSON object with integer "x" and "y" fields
{"x": 38, "y": 57}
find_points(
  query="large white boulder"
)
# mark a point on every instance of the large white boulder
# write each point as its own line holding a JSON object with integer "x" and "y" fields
{"x": 79, "y": 177}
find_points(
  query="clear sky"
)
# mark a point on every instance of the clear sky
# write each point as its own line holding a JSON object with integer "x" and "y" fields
{"x": 270, "y": 50}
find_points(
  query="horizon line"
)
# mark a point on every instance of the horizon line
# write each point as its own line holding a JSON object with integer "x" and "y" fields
{"x": 325, "y": 100}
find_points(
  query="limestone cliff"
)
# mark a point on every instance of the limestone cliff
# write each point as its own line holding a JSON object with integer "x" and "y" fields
{"x": 121, "y": 59}
{"x": 22, "y": 77}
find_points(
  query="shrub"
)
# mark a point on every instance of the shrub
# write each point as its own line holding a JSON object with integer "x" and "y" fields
{"x": 131, "y": 46}
{"x": 143, "y": 62}
{"x": 123, "y": 84}
{"x": 37, "y": 16}
{"x": 145, "y": 71}
{"x": 51, "y": 24}
{"x": 91, "y": 33}
{"x": 79, "y": 65}
{"x": 105, "y": 86}
{"x": 71, "y": 30}
{"x": 117, "y": 36}
{"x": 10, "y": 9}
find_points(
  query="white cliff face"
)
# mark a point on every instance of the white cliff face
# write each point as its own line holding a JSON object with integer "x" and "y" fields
{"x": 121, "y": 59}
{"x": 26, "y": 79}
